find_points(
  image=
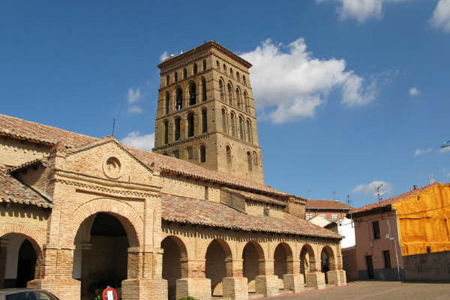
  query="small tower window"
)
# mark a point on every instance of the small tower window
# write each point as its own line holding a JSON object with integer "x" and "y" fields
{"x": 217, "y": 64}
{"x": 167, "y": 80}
{"x": 179, "y": 98}
{"x": 203, "y": 89}
{"x": 238, "y": 99}
{"x": 166, "y": 132}
{"x": 204, "y": 65}
{"x": 184, "y": 73}
{"x": 224, "y": 68}
{"x": 233, "y": 124}
{"x": 190, "y": 120}
{"x": 175, "y": 77}
{"x": 222, "y": 92}
{"x": 177, "y": 128}
{"x": 231, "y": 72}
{"x": 247, "y": 106}
{"x": 189, "y": 152}
{"x": 249, "y": 161}
{"x": 249, "y": 132}
{"x": 244, "y": 80}
{"x": 255, "y": 159}
{"x": 167, "y": 103}
{"x": 202, "y": 153}
{"x": 224, "y": 121}
{"x": 237, "y": 77}
{"x": 241, "y": 128}
{"x": 230, "y": 94}
{"x": 228, "y": 149}
{"x": 204, "y": 121}
{"x": 192, "y": 94}
{"x": 195, "y": 69}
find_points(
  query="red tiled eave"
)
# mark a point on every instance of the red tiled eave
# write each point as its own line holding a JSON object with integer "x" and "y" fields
{"x": 314, "y": 204}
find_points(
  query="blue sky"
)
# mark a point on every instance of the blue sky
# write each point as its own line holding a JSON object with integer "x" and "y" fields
{"x": 350, "y": 93}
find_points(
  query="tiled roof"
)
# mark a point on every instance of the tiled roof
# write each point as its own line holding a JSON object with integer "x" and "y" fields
{"x": 386, "y": 203}
{"x": 13, "y": 191}
{"x": 207, "y": 213}
{"x": 326, "y": 205}
{"x": 257, "y": 197}
{"x": 39, "y": 133}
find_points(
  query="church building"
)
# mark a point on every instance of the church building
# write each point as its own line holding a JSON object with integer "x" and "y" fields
{"x": 192, "y": 218}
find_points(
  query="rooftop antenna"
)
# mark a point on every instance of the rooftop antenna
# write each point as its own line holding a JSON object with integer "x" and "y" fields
{"x": 334, "y": 195}
{"x": 113, "y": 127}
{"x": 309, "y": 193}
{"x": 348, "y": 199}
{"x": 432, "y": 178}
{"x": 379, "y": 193}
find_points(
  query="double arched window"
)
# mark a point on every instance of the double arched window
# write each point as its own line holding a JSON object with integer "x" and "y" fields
{"x": 166, "y": 132}
{"x": 190, "y": 121}
{"x": 247, "y": 104}
{"x": 202, "y": 153}
{"x": 222, "y": 91}
{"x": 249, "y": 131}
{"x": 195, "y": 69}
{"x": 204, "y": 121}
{"x": 249, "y": 161}
{"x": 233, "y": 124}
{"x": 204, "y": 65}
{"x": 177, "y": 128}
{"x": 230, "y": 93}
{"x": 192, "y": 94}
{"x": 224, "y": 121}
{"x": 184, "y": 73}
{"x": 228, "y": 152}
{"x": 179, "y": 98}
{"x": 241, "y": 128}
{"x": 203, "y": 89}
{"x": 167, "y": 103}
{"x": 238, "y": 99}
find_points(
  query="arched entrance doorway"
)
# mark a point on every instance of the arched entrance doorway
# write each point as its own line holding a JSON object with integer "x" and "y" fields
{"x": 327, "y": 261}
{"x": 217, "y": 255}
{"x": 174, "y": 263}
{"x": 307, "y": 261}
{"x": 253, "y": 263}
{"x": 283, "y": 262}
{"x": 100, "y": 258}
{"x": 18, "y": 259}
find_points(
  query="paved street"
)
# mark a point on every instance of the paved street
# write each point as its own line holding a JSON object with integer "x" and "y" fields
{"x": 375, "y": 290}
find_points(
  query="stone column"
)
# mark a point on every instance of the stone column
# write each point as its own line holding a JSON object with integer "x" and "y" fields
{"x": 235, "y": 286}
{"x": 316, "y": 280}
{"x": 196, "y": 284}
{"x": 85, "y": 262}
{"x": 337, "y": 277}
{"x": 3, "y": 251}
{"x": 57, "y": 273}
{"x": 267, "y": 283}
{"x": 294, "y": 280}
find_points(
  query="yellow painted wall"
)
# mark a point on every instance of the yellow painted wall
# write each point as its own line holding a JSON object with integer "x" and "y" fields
{"x": 424, "y": 220}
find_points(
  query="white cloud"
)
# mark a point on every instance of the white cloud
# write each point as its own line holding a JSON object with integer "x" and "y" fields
{"x": 134, "y": 95}
{"x": 420, "y": 151}
{"x": 371, "y": 188}
{"x": 414, "y": 91}
{"x": 445, "y": 149}
{"x": 441, "y": 16}
{"x": 134, "y": 139}
{"x": 164, "y": 56}
{"x": 291, "y": 83}
{"x": 361, "y": 10}
{"x": 133, "y": 109}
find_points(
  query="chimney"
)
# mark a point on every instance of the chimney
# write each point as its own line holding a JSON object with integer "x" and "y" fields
{"x": 415, "y": 187}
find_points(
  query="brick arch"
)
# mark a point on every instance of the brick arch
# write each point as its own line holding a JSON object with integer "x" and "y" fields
{"x": 331, "y": 256}
{"x": 308, "y": 249}
{"x": 36, "y": 239}
{"x": 130, "y": 219}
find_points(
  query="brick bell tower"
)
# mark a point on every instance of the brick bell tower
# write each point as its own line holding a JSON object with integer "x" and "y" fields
{"x": 206, "y": 112}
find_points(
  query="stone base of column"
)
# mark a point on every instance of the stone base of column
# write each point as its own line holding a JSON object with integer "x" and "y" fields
{"x": 267, "y": 285}
{"x": 144, "y": 288}
{"x": 294, "y": 282}
{"x": 67, "y": 289}
{"x": 316, "y": 280}
{"x": 235, "y": 288}
{"x": 199, "y": 288}
{"x": 337, "y": 277}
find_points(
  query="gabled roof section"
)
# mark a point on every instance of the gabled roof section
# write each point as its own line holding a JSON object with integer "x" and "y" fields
{"x": 51, "y": 136}
{"x": 40, "y": 133}
{"x": 386, "y": 204}
{"x": 317, "y": 205}
{"x": 14, "y": 191}
{"x": 206, "y": 213}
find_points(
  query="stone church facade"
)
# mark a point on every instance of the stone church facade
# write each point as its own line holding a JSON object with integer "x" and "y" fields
{"x": 192, "y": 218}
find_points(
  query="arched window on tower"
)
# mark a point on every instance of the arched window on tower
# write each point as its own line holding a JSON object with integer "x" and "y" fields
{"x": 192, "y": 94}
{"x": 247, "y": 104}
{"x": 167, "y": 79}
{"x": 224, "y": 68}
{"x": 179, "y": 98}
{"x": 244, "y": 80}
{"x": 231, "y": 73}
{"x": 222, "y": 91}
{"x": 238, "y": 99}
{"x": 233, "y": 124}
{"x": 203, "y": 89}
{"x": 255, "y": 159}
{"x": 184, "y": 73}
{"x": 241, "y": 128}
{"x": 175, "y": 77}
{"x": 167, "y": 103}
{"x": 204, "y": 121}
{"x": 224, "y": 121}
{"x": 249, "y": 131}
{"x": 189, "y": 152}
{"x": 217, "y": 64}
{"x": 166, "y": 132}
{"x": 238, "y": 77}
{"x": 204, "y": 65}
{"x": 190, "y": 128}
{"x": 228, "y": 149}
{"x": 202, "y": 153}
{"x": 177, "y": 128}
{"x": 230, "y": 94}
{"x": 195, "y": 69}
{"x": 249, "y": 161}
